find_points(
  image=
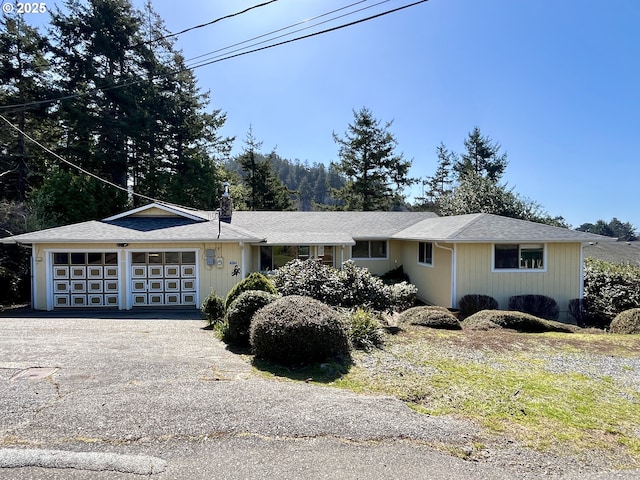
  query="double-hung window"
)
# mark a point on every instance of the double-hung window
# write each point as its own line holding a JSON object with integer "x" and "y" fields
{"x": 425, "y": 253}
{"x": 513, "y": 256}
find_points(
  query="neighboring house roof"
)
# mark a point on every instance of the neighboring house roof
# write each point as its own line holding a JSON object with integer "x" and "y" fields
{"x": 317, "y": 228}
{"x": 486, "y": 227}
{"x": 627, "y": 253}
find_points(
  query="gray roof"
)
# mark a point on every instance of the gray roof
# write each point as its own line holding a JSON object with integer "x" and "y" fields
{"x": 627, "y": 253}
{"x": 326, "y": 227}
{"x": 302, "y": 228}
{"x": 137, "y": 229}
{"x": 486, "y": 227}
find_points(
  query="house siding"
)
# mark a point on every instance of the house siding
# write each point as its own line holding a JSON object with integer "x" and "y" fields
{"x": 433, "y": 282}
{"x": 560, "y": 280}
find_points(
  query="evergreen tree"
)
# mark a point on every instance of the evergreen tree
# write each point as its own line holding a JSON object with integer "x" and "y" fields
{"x": 24, "y": 80}
{"x": 265, "y": 190}
{"x": 482, "y": 158}
{"x": 375, "y": 175}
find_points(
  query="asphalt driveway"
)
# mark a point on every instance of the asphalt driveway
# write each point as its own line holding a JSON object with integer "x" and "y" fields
{"x": 159, "y": 396}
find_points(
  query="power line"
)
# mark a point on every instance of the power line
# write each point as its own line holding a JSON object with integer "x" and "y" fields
{"x": 220, "y": 59}
{"x": 77, "y": 167}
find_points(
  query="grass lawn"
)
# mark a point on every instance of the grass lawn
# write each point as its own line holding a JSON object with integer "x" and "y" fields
{"x": 554, "y": 392}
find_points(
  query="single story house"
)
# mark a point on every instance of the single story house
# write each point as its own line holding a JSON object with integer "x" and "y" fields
{"x": 164, "y": 255}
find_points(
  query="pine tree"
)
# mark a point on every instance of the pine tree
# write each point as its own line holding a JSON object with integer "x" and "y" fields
{"x": 482, "y": 158}
{"x": 375, "y": 175}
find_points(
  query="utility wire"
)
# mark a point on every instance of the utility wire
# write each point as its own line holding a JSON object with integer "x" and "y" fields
{"x": 71, "y": 164}
{"x": 289, "y": 33}
{"x": 218, "y": 59}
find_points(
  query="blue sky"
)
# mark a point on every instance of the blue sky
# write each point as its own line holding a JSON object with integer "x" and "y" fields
{"x": 555, "y": 82}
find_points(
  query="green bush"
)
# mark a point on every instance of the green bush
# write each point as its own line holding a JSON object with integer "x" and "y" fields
{"x": 581, "y": 311}
{"x": 254, "y": 281}
{"x": 536, "y": 305}
{"x": 309, "y": 278}
{"x": 350, "y": 287}
{"x": 626, "y": 322}
{"x": 520, "y": 321}
{"x": 610, "y": 288}
{"x": 213, "y": 308}
{"x": 473, "y": 303}
{"x": 297, "y": 330}
{"x": 403, "y": 295}
{"x": 240, "y": 312}
{"x": 365, "y": 330}
{"x": 429, "y": 316}
{"x": 8, "y": 286}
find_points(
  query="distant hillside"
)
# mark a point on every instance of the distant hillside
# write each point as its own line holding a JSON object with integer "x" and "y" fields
{"x": 312, "y": 182}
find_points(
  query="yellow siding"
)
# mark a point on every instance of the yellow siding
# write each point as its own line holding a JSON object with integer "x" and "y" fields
{"x": 560, "y": 281}
{"x": 154, "y": 212}
{"x": 433, "y": 282}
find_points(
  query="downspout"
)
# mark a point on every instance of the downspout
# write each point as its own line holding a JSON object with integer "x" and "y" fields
{"x": 242, "y": 262}
{"x": 581, "y": 295}
{"x": 33, "y": 277}
{"x": 454, "y": 275}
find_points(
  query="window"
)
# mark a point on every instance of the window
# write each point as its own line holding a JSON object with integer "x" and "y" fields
{"x": 369, "y": 249}
{"x": 528, "y": 256}
{"x": 278, "y": 255}
{"x": 425, "y": 253}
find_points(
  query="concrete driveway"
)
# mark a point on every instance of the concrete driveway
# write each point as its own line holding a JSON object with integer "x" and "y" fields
{"x": 116, "y": 398}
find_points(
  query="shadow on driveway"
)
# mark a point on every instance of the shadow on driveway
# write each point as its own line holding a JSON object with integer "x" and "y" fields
{"x": 104, "y": 314}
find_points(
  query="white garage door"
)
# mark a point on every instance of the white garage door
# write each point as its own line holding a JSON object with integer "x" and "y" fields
{"x": 85, "y": 279}
{"x": 163, "y": 278}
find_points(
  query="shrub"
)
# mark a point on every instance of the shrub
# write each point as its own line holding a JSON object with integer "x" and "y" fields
{"x": 403, "y": 295}
{"x": 429, "y": 316}
{"x": 213, "y": 308}
{"x": 580, "y": 310}
{"x": 309, "y": 278}
{"x": 254, "y": 281}
{"x": 610, "y": 288}
{"x": 240, "y": 312}
{"x": 296, "y": 329}
{"x": 365, "y": 330}
{"x": 350, "y": 287}
{"x": 473, "y": 303}
{"x": 627, "y": 322}
{"x": 537, "y": 305}
{"x": 520, "y": 321}
{"x": 361, "y": 289}
{"x": 395, "y": 275}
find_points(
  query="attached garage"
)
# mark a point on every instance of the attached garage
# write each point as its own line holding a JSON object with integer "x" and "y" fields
{"x": 164, "y": 278}
{"x": 85, "y": 279}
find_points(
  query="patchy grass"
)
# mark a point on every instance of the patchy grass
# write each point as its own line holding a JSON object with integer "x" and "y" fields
{"x": 548, "y": 391}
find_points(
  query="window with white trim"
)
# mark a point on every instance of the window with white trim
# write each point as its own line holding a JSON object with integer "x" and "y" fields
{"x": 425, "y": 253}
{"x": 524, "y": 256}
{"x": 369, "y": 249}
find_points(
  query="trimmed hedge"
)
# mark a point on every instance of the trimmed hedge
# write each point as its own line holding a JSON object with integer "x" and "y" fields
{"x": 610, "y": 288}
{"x": 474, "y": 303}
{"x": 254, "y": 281}
{"x": 297, "y": 330}
{"x": 213, "y": 308}
{"x": 626, "y": 322}
{"x": 429, "y": 316}
{"x": 536, "y": 305}
{"x": 520, "y": 321}
{"x": 241, "y": 311}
